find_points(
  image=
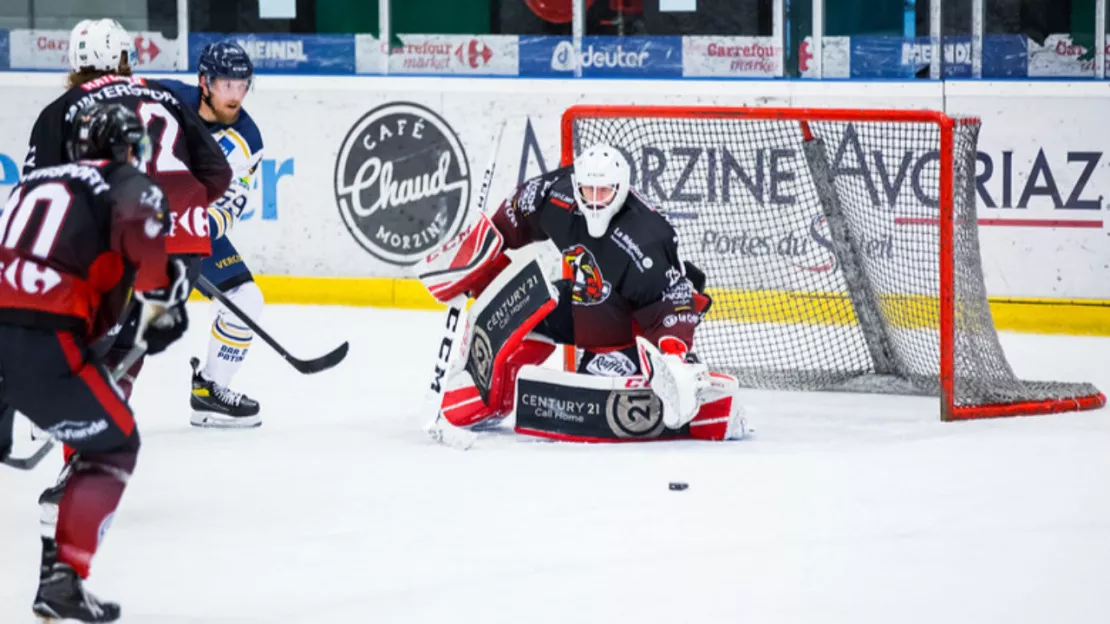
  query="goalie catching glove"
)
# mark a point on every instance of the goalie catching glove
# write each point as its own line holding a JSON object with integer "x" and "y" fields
{"x": 675, "y": 381}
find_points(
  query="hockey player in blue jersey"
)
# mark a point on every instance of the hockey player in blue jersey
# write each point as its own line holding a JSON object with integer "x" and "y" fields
{"x": 225, "y": 73}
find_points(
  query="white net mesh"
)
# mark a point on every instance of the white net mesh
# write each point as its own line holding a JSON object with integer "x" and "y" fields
{"x": 822, "y": 255}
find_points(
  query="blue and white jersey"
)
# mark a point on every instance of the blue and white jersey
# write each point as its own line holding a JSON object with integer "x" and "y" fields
{"x": 242, "y": 145}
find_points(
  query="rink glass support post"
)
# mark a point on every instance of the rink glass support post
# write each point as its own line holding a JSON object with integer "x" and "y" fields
{"x": 818, "y": 28}
{"x": 935, "y": 42}
{"x": 385, "y": 34}
{"x": 578, "y": 29}
{"x": 183, "y": 35}
{"x": 977, "y": 29}
{"x": 1100, "y": 39}
{"x": 778, "y": 19}
{"x": 861, "y": 293}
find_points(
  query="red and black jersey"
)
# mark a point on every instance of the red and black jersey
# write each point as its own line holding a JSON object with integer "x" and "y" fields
{"x": 74, "y": 240}
{"x": 186, "y": 163}
{"x": 629, "y": 282}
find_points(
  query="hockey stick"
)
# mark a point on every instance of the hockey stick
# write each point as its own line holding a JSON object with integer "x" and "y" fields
{"x": 307, "y": 367}
{"x": 134, "y": 354}
{"x": 438, "y": 427}
{"x": 7, "y": 423}
{"x": 7, "y": 441}
{"x": 28, "y": 463}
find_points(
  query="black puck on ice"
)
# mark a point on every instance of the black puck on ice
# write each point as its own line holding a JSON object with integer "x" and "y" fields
{"x": 677, "y": 486}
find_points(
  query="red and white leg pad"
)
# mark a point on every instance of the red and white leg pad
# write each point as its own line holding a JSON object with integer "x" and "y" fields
{"x": 575, "y": 407}
{"x": 720, "y": 415}
{"x": 462, "y": 405}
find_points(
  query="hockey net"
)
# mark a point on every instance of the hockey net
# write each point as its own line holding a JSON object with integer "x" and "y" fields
{"x": 841, "y": 248}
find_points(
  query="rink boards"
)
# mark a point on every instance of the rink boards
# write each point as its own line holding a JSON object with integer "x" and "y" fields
{"x": 362, "y": 175}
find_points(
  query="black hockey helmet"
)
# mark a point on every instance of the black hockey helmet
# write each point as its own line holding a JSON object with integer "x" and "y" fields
{"x": 108, "y": 131}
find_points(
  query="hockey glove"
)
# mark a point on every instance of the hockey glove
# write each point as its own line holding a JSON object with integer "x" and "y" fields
{"x": 167, "y": 304}
{"x": 165, "y": 329}
{"x": 227, "y": 210}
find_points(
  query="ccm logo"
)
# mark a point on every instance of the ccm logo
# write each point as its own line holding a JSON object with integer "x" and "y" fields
{"x": 636, "y": 382}
{"x": 452, "y": 243}
{"x": 193, "y": 220}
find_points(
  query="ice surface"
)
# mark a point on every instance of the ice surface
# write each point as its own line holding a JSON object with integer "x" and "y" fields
{"x": 841, "y": 508}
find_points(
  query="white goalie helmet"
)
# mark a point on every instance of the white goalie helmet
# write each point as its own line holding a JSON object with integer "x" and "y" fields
{"x": 99, "y": 45}
{"x": 601, "y": 179}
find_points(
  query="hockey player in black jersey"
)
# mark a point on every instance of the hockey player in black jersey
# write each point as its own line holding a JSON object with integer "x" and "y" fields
{"x": 631, "y": 305}
{"x": 186, "y": 161}
{"x": 81, "y": 237}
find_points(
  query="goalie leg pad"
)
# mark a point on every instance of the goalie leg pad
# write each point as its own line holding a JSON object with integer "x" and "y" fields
{"x": 720, "y": 415}
{"x": 574, "y": 407}
{"x": 497, "y": 343}
{"x": 463, "y": 406}
{"x": 586, "y": 408}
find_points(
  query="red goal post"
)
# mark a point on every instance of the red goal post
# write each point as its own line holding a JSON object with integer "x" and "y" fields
{"x": 917, "y": 321}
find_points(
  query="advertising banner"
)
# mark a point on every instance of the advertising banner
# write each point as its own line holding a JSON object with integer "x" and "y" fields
{"x": 738, "y": 57}
{"x": 364, "y": 174}
{"x": 1060, "y": 57}
{"x": 1004, "y": 56}
{"x": 474, "y": 55}
{"x": 49, "y": 49}
{"x": 288, "y": 54}
{"x": 836, "y": 54}
{"x": 602, "y": 57}
{"x": 897, "y": 57}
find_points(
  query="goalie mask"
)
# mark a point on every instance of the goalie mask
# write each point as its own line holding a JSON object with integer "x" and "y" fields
{"x": 99, "y": 45}
{"x": 601, "y": 182}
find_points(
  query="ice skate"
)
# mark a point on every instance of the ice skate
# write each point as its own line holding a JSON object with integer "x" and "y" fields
{"x": 217, "y": 406}
{"x": 62, "y": 599}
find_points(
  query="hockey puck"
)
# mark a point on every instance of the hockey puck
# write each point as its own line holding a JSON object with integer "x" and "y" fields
{"x": 677, "y": 486}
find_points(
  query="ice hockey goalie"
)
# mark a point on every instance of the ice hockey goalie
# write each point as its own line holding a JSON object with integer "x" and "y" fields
{"x": 631, "y": 306}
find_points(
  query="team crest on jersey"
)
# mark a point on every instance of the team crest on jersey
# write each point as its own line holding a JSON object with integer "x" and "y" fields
{"x": 590, "y": 287}
{"x": 226, "y": 145}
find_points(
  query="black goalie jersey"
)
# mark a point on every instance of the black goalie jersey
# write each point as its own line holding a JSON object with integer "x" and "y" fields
{"x": 629, "y": 282}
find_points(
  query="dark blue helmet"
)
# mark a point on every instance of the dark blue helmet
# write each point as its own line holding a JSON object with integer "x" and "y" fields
{"x": 225, "y": 59}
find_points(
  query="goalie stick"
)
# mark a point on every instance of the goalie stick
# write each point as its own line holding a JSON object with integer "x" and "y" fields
{"x": 322, "y": 363}
{"x": 436, "y": 426}
{"x": 454, "y": 324}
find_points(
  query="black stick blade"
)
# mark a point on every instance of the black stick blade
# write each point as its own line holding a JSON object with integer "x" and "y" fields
{"x": 321, "y": 363}
{"x": 28, "y": 463}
